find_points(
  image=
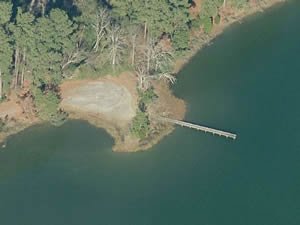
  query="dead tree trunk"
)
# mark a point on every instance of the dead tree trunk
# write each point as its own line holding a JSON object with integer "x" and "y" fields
{"x": 224, "y": 4}
{"x": 23, "y": 69}
{"x": 32, "y": 3}
{"x": 133, "y": 50}
{"x": 0, "y": 85}
{"x": 43, "y": 5}
{"x": 116, "y": 45}
{"x": 100, "y": 26}
{"x": 145, "y": 31}
{"x": 16, "y": 68}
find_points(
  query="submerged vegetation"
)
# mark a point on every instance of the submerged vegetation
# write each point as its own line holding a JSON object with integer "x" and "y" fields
{"x": 43, "y": 42}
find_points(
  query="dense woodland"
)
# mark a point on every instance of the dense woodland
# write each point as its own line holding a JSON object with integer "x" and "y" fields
{"x": 43, "y": 42}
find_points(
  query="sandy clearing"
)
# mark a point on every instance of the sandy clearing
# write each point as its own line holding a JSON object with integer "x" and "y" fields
{"x": 102, "y": 97}
{"x": 112, "y": 97}
{"x": 10, "y": 109}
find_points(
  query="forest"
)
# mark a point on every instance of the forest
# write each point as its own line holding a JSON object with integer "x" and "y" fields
{"x": 43, "y": 42}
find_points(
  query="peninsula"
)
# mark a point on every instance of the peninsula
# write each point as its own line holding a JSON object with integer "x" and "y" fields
{"x": 109, "y": 62}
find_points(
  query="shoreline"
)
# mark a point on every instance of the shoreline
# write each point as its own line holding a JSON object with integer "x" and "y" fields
{"x": 119, "y": 128}
{"x": 120, "y": 134}
{"x": 198, "y": 43}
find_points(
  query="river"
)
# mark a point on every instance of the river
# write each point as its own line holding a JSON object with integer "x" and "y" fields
{"x": 246, "y": 82}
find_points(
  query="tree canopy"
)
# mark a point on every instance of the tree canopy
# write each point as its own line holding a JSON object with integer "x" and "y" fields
{"x": 45, "y": 41}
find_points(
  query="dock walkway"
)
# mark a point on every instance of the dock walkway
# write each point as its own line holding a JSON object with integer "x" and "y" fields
{"x": 197, "y": 127}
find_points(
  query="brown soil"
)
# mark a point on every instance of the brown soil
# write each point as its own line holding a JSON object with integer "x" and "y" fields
{"x": 17, "y": 113}
{"x": 11, "y": 109}
{"x": 168, "y": 105}
{"x": 195, "y": 9}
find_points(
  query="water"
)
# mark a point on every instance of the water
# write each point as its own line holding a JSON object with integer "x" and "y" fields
{"x": 247, "y": 82}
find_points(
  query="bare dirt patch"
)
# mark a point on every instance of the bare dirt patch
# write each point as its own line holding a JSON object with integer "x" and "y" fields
{"x": 195, "y": 9}
{"x": 114, "y": 96}
{"x": 10, "y": 109}
{"x": 108, "y": 102}
{"x": 102, "y": 97}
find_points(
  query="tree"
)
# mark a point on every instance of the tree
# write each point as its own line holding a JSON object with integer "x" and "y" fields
{"x": 47, "y": 104}
{"x": 181, "y": 38}
{"x": 155, "y": 63}
{"x": 116, "y": 45}
{"x": 157, "y": 16}
{"x": 209, "y": 8}
{"x": 54, "y": 40}
{"x": 180, "y": 18}
{"x": 38, "y": 6}
{"x": 75, "y": 55}
{"x": 157, "y": 57}
{"x": 45, "y": 42}
{"x": 87, "y": 21}
{"x": 5, "y": 46}
{"x": 6, "y": 12}
{"x": 132, "y": 35}
{"x": 5, "y": 62}
{"x": 140, "y": 125}
{"x": 101, "y": 25}
{"x": 23, "y": 36}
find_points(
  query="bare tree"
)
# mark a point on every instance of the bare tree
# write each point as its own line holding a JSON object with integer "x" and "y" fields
{"x": 149, "y": 52}
{"x": 39, "y": 6}
{"x": 166, "y": 75}
{"x": 23, "y": 68}
{"x": 154, "y": 64}
{"x": 16, "y": 69}
{"x": 156, "y": 57}
{"x": 101, "y": 24}
{"x": 142, "y": 77}
{"x": 32, "y": 3}
{"x": 77, "y": 54}
{"x": 42, "y": 4}
{"x": 1, "y": 85}
{"x": 133, "y": 32}
{"x": 117, "y": 44}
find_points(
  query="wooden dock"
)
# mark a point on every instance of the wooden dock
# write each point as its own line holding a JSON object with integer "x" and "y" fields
{"x": 197, "y": 127}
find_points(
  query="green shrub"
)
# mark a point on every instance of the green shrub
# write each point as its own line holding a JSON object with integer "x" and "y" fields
{"x": 239, "y": 3}
{"x": 2, "y": 125}
{"x": 47, "y": 105}
{"x": 217, "y": 19}
{"x": 180, "y": 39}
{"x": 196, "y": 23}
{"x": 147, "y": 96}
{"x": 207, "y": 24}
{"x": 59, "y": 118}
{"x": 140, "y": 125}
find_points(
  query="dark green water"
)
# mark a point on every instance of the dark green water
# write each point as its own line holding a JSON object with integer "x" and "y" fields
{"x": 246, "y": 82}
